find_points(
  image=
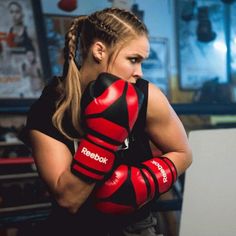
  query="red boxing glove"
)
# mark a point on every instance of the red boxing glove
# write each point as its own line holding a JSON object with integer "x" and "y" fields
{"x": 109, "y": 109}
{"x": 129, "y": 187}
{"x": 163, "y": 172}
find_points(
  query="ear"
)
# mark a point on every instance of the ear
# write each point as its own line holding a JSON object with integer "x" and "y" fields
{"x": 98, "y": 51}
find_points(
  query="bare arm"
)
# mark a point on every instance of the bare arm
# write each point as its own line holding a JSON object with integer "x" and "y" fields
{"x": 166, "y": 130}
{"x": 53, "y": 160}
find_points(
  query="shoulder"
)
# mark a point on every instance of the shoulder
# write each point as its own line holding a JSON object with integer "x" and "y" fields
{"x": 40, "y": 114}
{"x": 158, "y": 105}
{"x": 155, "y": 93}
{"x": 45, "y": 104}
{"x": 51, "y": 88}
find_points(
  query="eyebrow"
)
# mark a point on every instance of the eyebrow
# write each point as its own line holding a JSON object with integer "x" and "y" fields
{"x": 138, "y": 55}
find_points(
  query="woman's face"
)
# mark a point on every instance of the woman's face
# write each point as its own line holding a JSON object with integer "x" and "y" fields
{"x": 16, "y": 13}
{"x": 127, "y": 63}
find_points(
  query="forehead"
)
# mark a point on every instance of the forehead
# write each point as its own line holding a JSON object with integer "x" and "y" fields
{"x": 15, "y": 8}
{"x": 139, "y": 46}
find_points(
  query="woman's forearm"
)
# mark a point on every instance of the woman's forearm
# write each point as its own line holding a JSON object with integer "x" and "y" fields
{"x": 181, "y": 160}
{"x": 71, "y": 192}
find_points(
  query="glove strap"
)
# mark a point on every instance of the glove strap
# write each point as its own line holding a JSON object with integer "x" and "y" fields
{"x": 92, "y": 160}
{"x": 163, "y": 171}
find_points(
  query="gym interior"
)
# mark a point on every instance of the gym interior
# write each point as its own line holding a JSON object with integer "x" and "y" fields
{"x": 192, "y": 60}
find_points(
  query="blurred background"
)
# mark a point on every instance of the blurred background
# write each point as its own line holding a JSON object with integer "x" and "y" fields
{"x": 192, "y": 60}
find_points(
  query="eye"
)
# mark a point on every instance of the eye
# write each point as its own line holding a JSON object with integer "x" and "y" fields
{"x": 134, "y": 60}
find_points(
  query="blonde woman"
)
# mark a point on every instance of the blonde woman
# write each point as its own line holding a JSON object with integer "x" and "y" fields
{"x": 98, "y": 167}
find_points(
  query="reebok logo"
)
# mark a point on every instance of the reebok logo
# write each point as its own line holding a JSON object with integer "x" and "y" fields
{"x": 160, "y": 168}
{"x": 94, "y": 156}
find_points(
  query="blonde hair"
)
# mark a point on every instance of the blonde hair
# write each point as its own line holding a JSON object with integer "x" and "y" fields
{"x": 112, "y": 26}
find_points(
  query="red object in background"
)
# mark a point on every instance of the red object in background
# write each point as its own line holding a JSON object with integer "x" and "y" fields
{"x": 67, "y": 5}
{"x": 9, "y": 38}
{"x": 16, "y": 160}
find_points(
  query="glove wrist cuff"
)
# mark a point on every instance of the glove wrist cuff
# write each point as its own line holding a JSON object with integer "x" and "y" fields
{"x": 92, "y": 160}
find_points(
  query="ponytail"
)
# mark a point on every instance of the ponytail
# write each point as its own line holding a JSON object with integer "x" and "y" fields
{"x": 69, "y": 101}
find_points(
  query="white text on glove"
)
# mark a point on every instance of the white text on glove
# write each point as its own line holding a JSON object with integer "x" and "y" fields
{"x": 93, "y": 155}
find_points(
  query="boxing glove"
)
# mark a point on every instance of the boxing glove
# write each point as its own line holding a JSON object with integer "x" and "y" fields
{"x": 129, "y": 188}
{"x": 109, "y": 109}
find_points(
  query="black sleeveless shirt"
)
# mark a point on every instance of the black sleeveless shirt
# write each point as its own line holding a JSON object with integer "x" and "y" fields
{"x": 88, "y": 222}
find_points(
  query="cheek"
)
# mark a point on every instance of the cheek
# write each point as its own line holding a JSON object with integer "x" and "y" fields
{"x": 123, "y": 70}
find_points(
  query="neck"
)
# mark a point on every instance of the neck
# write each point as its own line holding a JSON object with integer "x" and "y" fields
{"x": 89, "y": 72}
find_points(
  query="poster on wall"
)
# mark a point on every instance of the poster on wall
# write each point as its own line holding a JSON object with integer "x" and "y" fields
{"x": 233, "y": 50}
{"x": 201, "y": 43}
{"x": 56, "y": 27}
{"x": 21, "y": 70}
{"x": 156, "y": 66}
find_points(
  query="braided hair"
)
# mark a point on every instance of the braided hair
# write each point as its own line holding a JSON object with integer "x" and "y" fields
{"x": 113, "y": 27}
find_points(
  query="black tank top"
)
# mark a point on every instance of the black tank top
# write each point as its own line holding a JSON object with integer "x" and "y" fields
{"x": 88, "y": 222}
{"x": 138, "y": 148}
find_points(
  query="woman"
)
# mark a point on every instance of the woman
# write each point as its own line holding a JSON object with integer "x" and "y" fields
{"x": 21, "y": 39}
{"x": 114, "y": 42}
{"x": 32, "y": 71}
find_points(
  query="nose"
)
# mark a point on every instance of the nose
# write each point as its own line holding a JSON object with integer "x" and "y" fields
{"x": 138, "y": 72}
